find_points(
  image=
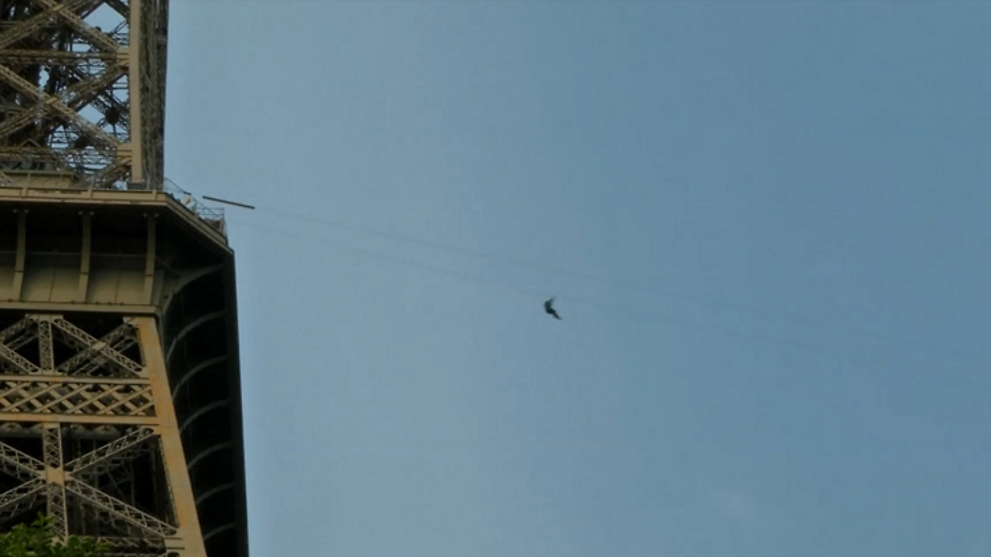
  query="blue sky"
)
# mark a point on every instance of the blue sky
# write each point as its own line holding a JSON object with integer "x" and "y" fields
{"x": 765, "y": 225}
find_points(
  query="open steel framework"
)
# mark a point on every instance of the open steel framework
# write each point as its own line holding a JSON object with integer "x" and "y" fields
{"x": 120, "y": 410}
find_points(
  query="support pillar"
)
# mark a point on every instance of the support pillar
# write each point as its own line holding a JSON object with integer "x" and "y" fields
{"x": 189, "y": 538}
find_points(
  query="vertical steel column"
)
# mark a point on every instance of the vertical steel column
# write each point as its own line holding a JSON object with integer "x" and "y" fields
{"x": 190, "y": 537}
{"x": 55, "y": 476}
{"x": 21, "y": 254}
{"x": 46, "y": 346}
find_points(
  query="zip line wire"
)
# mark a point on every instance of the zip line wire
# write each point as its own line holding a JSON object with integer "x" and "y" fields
{"x": 529, "y": 292}
{"x": 799, "y": 320}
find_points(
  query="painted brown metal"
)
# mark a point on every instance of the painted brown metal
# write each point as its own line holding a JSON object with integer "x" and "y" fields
{"x": 189, "y": 537}
{"x": 79, "y": 100}
{"x": 151, "y": 345}
{"x": 119, "y": 373}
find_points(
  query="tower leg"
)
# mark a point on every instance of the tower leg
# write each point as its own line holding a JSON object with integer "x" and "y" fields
{"x": 189, "y": 538}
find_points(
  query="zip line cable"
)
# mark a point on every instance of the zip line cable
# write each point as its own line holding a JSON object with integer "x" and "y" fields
{"x": 678, "y": 321}
{"x": 799, "y": 320}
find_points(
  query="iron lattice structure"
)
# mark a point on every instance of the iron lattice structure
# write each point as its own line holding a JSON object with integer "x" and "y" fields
{"x": 86, "y": 473}
{"x": 79, "y": 100}
{"x": 119, "y": 374}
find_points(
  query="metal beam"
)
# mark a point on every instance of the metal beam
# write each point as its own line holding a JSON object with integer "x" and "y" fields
{"x": 112, "y": 455}
{"x": 96, "y": 38}
{"x": 25, "y": 56}
{"x": 117, "y": 340}
{"x": 46, "y": 346}
{"x": 54, "y": 104}
{"x": 69, "y": 307}
{"x": 87, "y": 342}
{"x": 22, "y": 234}
{"x": 55, "y": 476}
{"x": 15, "y": 501}
{"x": 134, "y": 81}
{"x": 120, "y": 510}
{"x": 150, "y": 256}
{"x": 94, "y": 419}
{"x": 86, "y": 255}
{"x": 19, "y": 464}
{"x": 20, "y": 362}
{"x": 38, "y": 22}
{"x": 74, "y": 380}
{"x": 172, "y": 451}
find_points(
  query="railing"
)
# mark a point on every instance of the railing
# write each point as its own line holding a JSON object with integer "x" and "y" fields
{"x": 213, "y": 216}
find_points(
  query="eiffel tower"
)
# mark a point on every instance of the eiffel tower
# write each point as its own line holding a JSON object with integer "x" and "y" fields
{"x": 120, "y": 404}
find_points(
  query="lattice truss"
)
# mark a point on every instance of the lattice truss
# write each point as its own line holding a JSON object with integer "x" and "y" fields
{"x": 91, "y": 478}
{"x": 65, "y": 72}
{"x": 92, "y": 376}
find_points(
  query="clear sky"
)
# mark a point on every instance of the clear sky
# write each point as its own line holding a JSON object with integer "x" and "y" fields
{"x": 765, "y": 224}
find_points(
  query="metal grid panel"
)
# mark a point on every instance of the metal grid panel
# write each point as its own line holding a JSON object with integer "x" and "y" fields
{"x": 89, "y": 484}
{"x": 66, "y": 90}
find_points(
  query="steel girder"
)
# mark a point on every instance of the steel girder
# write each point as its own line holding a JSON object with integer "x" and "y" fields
{"x": 59, "y": 378}
{"x": 81, "y": 101}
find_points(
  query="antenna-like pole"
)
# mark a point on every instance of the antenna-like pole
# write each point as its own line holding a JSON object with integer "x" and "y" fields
{"x": 236, "y": 204}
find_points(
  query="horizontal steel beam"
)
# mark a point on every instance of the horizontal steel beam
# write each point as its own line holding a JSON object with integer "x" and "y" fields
{"x": 95, "y": 419}
{"x": 69, "y": 307}
{"x": 72, "y": 379}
